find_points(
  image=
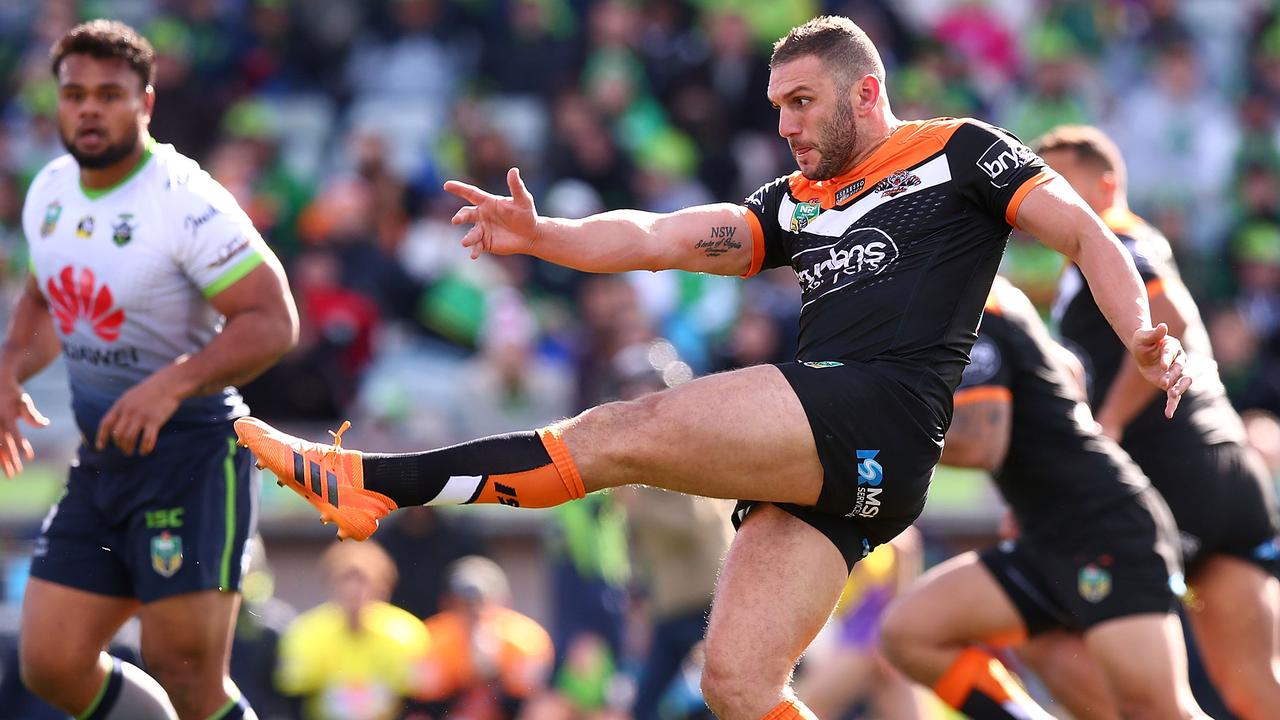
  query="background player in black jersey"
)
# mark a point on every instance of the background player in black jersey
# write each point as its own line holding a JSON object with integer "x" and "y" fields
{"x": 895, "y": 230}
{"x": 1215, "y": 485}
{"x": 1098, "y": 554}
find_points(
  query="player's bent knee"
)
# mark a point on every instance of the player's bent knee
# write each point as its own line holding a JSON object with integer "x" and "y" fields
{"x": 186, "y": 674}
{"x": 623, "y": 435}
{"x": 50, "y": 671}
{"x": 732, "y": 688}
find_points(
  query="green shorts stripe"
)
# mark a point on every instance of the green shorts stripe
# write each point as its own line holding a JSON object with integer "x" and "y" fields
{"x": 229, "y": 465}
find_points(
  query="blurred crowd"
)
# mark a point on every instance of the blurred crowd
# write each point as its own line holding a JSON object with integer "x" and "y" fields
{"x": 334, "y": 122}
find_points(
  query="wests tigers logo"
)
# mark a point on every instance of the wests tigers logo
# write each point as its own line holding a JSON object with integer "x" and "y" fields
{"x": 896, "y": 184}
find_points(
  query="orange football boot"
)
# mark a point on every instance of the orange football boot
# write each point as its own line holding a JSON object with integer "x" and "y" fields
{"x": 330, "y": 477}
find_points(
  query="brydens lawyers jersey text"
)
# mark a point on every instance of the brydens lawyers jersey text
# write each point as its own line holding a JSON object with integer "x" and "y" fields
{"x": 896, "y": 256}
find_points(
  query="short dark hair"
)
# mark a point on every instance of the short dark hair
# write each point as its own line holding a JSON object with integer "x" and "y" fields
{"x": 104, "y": 39}
{"x": 837, "y": 40}
{"x": 1088, "y": 144}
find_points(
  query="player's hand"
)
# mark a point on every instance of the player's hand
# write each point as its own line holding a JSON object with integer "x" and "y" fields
{"x": 16, "y": 405}
{"x": 502, "y": 225}
{"x": 134, "y": 421}
{"x": 1163, "y": 363}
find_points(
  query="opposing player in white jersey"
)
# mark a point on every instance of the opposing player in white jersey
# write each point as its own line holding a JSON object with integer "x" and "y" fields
{"x": 160, "y": 295}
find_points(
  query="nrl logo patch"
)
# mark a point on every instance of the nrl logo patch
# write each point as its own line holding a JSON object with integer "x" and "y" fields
{"x": 122, "y": 231}
{"x": 849, "y": 191}
{"x": 166, "y": 554}
{"x": 804, "y": 214}
{"x": 51, "y": 215}
{"x": 896, "y": 184}
{"x": 822, "y": 363}
{"x": 1094, "y": 583}
{"x": 84, "y": 228}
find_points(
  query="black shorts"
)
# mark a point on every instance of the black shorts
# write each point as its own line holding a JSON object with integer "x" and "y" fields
{"x": 1222, "y": 499}
{"x": 1120, "y": 561}
{"x": 877, "y": 453}
{"x": 172, "y": 522}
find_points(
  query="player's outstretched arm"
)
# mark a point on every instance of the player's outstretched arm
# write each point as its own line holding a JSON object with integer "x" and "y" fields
{"x": 1056, "y": 215}
{"x": 29, "y": 347}
{"x": 707, "y": 238}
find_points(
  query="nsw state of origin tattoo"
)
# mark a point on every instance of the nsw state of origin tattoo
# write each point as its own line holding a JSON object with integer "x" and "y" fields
{"x": 720, "y": 242}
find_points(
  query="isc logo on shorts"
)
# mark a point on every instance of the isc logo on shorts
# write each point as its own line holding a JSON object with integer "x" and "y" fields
{"x": 870, "y": 474}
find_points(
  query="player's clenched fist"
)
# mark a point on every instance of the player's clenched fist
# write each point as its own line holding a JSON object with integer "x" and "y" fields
{"x": 1163, "y": 363}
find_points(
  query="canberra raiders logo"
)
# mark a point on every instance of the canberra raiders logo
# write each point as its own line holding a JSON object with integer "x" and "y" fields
{"x": 804, "y": 214}
{"x": 122, "y": 229}
{"x": 1094, "y": 583}
{"x": 166, "y": 553}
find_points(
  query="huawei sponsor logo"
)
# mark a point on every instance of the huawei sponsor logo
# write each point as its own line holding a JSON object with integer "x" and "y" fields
{"x": 76, "y": 297}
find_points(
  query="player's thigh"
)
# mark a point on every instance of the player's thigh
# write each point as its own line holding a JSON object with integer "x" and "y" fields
{"x": 192, "y": 630}
{"x": 1143, "y": 658}
{"x": 1235, "y": 615}
{"x": 739, "y": 434}
{"x": 778, "y": 586}
{"x": 64, "y": 629}
{"x": 956, "y": 603}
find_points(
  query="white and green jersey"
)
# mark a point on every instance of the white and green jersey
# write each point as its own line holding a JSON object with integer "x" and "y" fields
{"x": 128, "y": 272}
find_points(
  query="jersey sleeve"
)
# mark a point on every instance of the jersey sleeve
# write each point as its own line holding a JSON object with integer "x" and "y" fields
{"x": 988, "y": 375}
{"x": 1155, "y": 269}
{"x": 217, "y": 243}
{"x": 768, "y": 249}
{"x": 993, "y": 169}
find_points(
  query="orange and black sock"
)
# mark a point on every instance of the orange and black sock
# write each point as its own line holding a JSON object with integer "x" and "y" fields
{"x": 979, "y": 686}
{"x": 790, "y": 710}
{"x": 527, "y": 469}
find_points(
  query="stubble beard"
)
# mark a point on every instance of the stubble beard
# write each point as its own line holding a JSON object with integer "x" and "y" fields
{"x": 837, "y": 140}
{"x": 108, "y": 156}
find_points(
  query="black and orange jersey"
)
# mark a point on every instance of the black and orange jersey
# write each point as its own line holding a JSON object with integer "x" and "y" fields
{"x": 1057, "y": 469}
{"x": 1205, "y": 415}
{"x": 895, "y": 257}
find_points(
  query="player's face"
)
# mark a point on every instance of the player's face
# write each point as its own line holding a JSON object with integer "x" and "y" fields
{"x": 1087, "y": 180}
{"x": 102, "y": 109}
{"x": 814, "y": 117}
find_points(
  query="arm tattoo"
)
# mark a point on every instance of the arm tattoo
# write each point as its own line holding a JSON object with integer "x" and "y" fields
{"x": 720, "y": 241}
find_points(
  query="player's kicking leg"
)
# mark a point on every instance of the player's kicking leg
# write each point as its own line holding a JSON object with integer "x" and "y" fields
{"x": 64, "y": 632}
{"x": 834, "y": 443}
{"x": 741, "y": 434}
{"x": 1235, "y": 615}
